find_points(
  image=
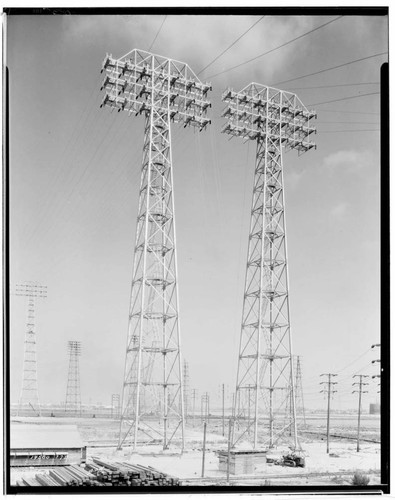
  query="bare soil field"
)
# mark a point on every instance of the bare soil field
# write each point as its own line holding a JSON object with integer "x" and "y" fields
{"x": 335, "y": 468}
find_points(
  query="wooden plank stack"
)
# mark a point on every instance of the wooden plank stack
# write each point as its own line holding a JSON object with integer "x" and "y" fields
{"x": 126, "y": 474}
{"x": 102, "y": 473}
{"x": 70, "y": 475}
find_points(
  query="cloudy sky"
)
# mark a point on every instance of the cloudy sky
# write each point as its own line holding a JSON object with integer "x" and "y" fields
{"x": 74, "y": 175}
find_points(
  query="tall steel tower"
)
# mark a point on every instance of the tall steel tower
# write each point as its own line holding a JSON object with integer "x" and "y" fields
{"x": 73, "y": 393}
{"x": 275, "y": 119}
{"x": 29, "y": 399}
{"x": 164, "y": 91}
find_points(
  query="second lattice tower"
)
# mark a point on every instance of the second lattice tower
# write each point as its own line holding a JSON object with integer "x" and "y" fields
{"x": 275, "y": 119}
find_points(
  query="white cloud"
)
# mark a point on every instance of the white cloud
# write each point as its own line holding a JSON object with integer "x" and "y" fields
{"x": 198, "y": 40}
{"x": 349, "y": 161}
{"x": 340, "y": 158}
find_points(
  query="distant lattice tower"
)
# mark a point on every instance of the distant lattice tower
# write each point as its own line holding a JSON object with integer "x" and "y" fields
{"x": 186, "y": 389}
{"x": 163, "y": 91}
{"x": 29, "y": 400}
{"x": 299, "y": 398}
{"x": 73, "y": 393}
{"x": 275, "y": 119}
{"x": 115, "y": 406}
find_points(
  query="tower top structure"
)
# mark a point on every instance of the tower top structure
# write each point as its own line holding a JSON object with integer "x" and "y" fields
{"x": 31, "y": 289}
{"x": 74, "y": 346}
{"x": 140, "y": 81}
{"x": 259, "y": 110}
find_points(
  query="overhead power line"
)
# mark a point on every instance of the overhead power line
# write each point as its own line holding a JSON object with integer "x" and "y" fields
{"x": 230, "y": 46}
{"x": 156, "y": 36}
{"x": 276, "y": 48}
{"x": 332, "y": 86}
{"x": 352, "y": 123}
{"x": 343, "y": 99}
{"x": 348, "y": 112}
{"x": 350, "y": 130}
{"x": 331, "y": 68}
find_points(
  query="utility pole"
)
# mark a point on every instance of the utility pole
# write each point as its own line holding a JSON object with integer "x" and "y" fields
{"x": 73, "y": 392}
{"x": 194, "y": 399}
{"x": 205, "y": 407}
{"x": 376, "y": 361}
{"x": 275, "y": 119}
{"x": 223, "y": 409}
{"x": 329, "y": 391}
{"x": 204, "y": 446}
{"x": 29, "y": 392}
{"x": 230, "y": 433}
{"x": 186, "y": 389}
{"x": 377, "y": 376}
{"x": 163, "y": 91}
{"x": 360, "y": 391}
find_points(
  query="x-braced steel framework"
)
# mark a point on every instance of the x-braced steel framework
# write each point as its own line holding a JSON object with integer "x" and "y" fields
{"x": 29, "y": 399}
{"x": 115, "y": 405}
{"x": 73, "y": 392}
{"x": 275, "y": 119}
{"x": 299, "y": 398}
{"x": 165, "y": 91}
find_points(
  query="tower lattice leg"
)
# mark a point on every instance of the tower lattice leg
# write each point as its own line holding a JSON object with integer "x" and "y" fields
{"x": 152, "y": 399}
{"x": 265, "y": 379}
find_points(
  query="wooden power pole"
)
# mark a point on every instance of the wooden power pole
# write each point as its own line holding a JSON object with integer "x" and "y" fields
{"x": 360, "y": 391}
{"x": 329, "y": 391}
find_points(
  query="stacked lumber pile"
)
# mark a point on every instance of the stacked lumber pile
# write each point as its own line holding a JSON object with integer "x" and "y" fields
{"x": 70, "y": 475}
{"x": 100, "y": 473}
{"x": 126, "y": 474}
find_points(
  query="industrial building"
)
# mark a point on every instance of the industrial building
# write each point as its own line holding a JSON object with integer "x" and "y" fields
{"x": 41, "y": 445}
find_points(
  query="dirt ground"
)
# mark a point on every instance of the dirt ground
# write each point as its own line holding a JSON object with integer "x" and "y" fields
{"x": 335, "y": 468}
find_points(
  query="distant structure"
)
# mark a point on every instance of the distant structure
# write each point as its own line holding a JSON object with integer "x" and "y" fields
{"x": 164, "y": 91}
{"x": 29, "y": 401}
{"x": 374, "y": 409}
{"x": 205, "y": 407}
{"x": 186, "y": 389}
{"x": 73, "y": 393}
{"x": 299, "y": 399}
{"x": 115, "y": 405}
{"x": 275, "y": 119}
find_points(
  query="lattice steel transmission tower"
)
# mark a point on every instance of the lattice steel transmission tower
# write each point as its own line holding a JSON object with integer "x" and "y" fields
{"x": 299, "y": 398}
{"x": 275, "y": 119}
{"x": 164, "y": 91}
{"x": 73, "y": 392}
{"x": 29, "y": 399}
{"x": 115, "y": 405}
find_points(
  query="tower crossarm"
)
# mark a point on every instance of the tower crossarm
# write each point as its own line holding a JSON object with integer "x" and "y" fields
{"x": 131, "y": 81}
{"x": 258, "y": 111}
{"x": 32, "y": 290}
